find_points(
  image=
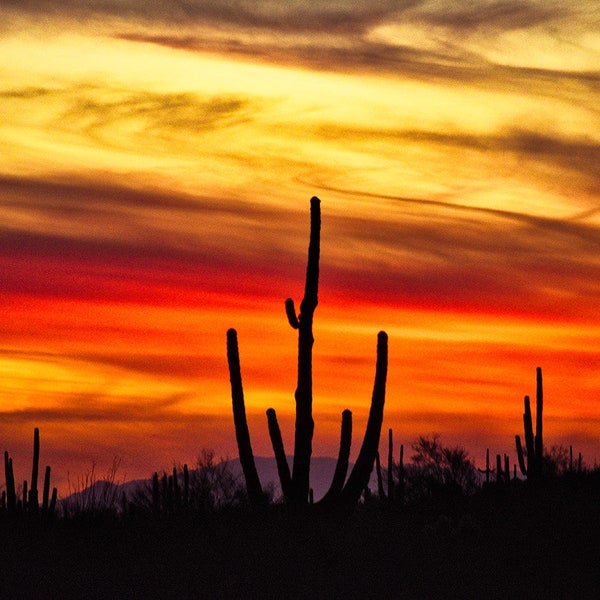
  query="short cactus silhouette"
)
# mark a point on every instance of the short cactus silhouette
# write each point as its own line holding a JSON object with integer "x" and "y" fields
{"x": 296, "y": 487}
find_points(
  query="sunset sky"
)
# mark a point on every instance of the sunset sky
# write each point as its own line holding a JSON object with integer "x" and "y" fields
{"x": 158, "y": 159}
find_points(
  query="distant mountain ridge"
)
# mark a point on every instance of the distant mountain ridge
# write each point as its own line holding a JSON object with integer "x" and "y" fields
{"x": 322, "y": 469}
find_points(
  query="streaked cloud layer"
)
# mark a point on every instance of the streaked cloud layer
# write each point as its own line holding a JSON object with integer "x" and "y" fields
{"x": 157, "y": 164}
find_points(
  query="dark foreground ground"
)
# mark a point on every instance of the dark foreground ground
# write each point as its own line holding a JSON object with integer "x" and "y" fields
{"x": 511, "y": 543}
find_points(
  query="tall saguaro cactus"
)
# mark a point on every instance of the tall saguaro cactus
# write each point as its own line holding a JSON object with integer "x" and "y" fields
{"x": 304, "y": 323}
{"x": 296, "y": 487}
{"x": 534, "y": 444}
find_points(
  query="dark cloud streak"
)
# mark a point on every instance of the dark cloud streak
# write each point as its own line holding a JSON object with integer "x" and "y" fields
{"x": 443, "y": 255}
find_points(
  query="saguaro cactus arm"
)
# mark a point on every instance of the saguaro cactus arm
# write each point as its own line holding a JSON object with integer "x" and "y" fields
{"x": 529, "y": 438}
{"x": 33, "y": 503}
{"x": 341, "y": 467}
{"x": 304, "y": 421}
{"x": 520, "y": 455}
{"x": 242, "y": 433}
{"x": 359, "y": 477}
{"x": 283, "y": 468}
{"x": 539, "y": 409}
{"x": 290, "y": 311}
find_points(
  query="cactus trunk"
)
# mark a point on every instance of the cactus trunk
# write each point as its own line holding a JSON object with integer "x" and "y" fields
{"x": 520, "y": 455}
{"x": 33, "y": 491}
{"x": 11, "y": 498}
{"x": 304, "y": 420}
{"x": 539, "y": 407}
{"x": 529, "y": 439}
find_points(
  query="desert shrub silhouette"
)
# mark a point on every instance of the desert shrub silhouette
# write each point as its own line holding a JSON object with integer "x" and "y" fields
{"x": 438, "y": 470}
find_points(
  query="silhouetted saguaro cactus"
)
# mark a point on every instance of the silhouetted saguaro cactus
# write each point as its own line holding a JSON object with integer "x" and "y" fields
{"x": 11, "y": 497}
{"x": 488, "y": 471}
{"x": 533, "y": 443}
{"x": 296, "y": 487}
{"x": 46, "y": 491}
{"x": 499, "y": 471}
{"x": 33, "y": 504}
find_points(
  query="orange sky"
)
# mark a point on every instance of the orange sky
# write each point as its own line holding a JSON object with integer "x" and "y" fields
{"x": 155, "y": 180}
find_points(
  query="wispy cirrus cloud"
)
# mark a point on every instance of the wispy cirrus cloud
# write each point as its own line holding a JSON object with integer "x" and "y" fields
{"x": 93, "y": 240}
{"x": 446, "y": 255}
{"x": 464, "y": 42}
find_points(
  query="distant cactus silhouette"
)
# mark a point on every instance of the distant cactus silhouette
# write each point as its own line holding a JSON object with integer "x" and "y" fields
{"x": 11, "y": 497}
{"x": 33, "y": 504}
{"x": 29, "y": 501}
{"x": 380, "y": 490}
{"x": 488, "y": 470}
{"x": 400, "y": 494}
{"x": 534, "y": 444}
{"x": 296, "y": 487}
{"x": 499, "y": 471}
